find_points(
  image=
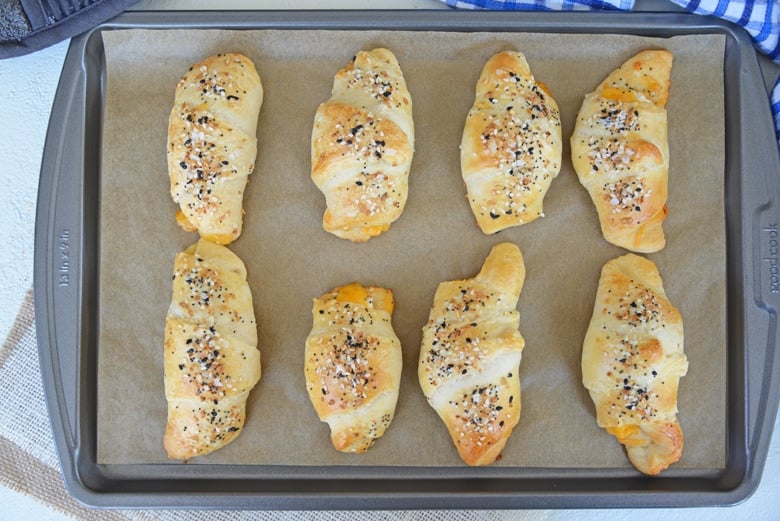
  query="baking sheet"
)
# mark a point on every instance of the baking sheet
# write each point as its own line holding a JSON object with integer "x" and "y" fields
{"x": 290, "y": 259}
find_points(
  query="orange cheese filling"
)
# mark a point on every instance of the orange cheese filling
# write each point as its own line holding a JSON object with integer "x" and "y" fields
{"x": 625, "y": 433}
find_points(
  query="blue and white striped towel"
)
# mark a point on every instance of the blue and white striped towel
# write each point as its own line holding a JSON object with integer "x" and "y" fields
{"x": 761, "y": 19}
{"x": 543, "y": 5}
{"x": 776, "y": 109}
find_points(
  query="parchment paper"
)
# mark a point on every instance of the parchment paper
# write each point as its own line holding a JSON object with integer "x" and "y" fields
{"x": 290, "y": 259}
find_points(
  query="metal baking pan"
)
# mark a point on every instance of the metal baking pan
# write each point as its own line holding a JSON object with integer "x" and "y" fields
{"x": 66, "y": 273}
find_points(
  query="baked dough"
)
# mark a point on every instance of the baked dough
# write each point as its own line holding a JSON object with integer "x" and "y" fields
{"x": 470, "y": 356}
{"x": 211, "y": 357}
{"x": 362, "y": 146}
{"x": 212, "y": 144}
{"x": 632, "y": 361}
{"x": 353, "y": 364}
{"x": 511, "y": 146}
{"x": 620, "y": 151}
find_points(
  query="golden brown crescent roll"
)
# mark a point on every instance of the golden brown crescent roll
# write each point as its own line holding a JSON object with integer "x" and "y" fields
{"x": 470, "y": 356}
{"x": 362, "y": 146}
{"x": 511, "y": 146}
{"x": 620, "y": 151}
{"x": 212, "y": 144}
{"x": 211, "y": 357}
{"x": 353, "y": 364}
{"x": 632, "y": 361}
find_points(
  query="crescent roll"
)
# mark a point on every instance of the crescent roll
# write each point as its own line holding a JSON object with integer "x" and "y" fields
{"x": 470, "y": 356}
{"x": 212, "y": 144}
{"x": 362, "y": 146}
{"x": 511, "y": 145}
{"x": 621, "y": 154}
{"x": 632, "y": 361}
{"x": 353, "y": 364}
{"x": 211, "y": 357}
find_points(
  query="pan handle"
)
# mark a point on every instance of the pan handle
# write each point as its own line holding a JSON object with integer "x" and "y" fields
{"x": 66, "y": 252}
{"x": 756, "y": 242}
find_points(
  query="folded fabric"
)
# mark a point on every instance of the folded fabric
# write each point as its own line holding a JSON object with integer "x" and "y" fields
{"x": 542, "y": 5}
{"x": 760, "y": 18}
{"x": 776, "y": 109}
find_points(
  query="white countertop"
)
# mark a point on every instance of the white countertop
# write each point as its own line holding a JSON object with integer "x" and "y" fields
{"x": 28, "y": 86}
